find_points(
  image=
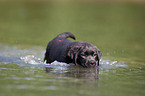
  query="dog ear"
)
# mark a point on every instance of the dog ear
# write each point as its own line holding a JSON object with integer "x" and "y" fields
{"x": 99, "y": 56}
{"x": 73, "y": 53}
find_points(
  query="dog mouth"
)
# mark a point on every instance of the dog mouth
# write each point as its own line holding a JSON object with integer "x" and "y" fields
{"x": 93, "y": 63}
{"x": 90, "y": 64}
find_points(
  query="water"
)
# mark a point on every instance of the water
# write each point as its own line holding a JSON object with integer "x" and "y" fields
{"x": 24, "y": 70}
{"x": 116, "y": 28}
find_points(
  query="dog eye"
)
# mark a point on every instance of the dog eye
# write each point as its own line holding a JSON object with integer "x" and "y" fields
{"x": 95, "y": 54}
{"x": 83, "y": 54}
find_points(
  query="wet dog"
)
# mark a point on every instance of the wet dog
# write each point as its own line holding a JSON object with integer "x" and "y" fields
{"x": 63, "y": 50}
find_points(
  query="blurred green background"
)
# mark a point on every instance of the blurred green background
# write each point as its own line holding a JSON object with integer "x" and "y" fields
{"x": 118, "y": 26}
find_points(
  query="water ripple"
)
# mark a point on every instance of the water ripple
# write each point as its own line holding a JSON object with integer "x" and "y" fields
{"x": 34, "y": 57}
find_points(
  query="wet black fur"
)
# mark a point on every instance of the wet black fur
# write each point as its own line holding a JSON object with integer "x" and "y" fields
{"x": 63, "y": 50}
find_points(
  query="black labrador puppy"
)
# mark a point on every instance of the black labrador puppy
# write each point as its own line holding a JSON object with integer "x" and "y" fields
{"x": 63, "y": 50}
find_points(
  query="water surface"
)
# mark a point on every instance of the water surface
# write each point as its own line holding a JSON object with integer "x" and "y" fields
{"x": 23, "y": 70}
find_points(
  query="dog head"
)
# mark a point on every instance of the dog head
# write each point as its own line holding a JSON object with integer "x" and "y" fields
{"x": 85, "y": 54}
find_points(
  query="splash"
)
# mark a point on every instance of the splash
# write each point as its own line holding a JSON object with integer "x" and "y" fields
{"x": 110, "y": 64}
{"x": 34, "y": 56}
{"x": 31, "y": 59}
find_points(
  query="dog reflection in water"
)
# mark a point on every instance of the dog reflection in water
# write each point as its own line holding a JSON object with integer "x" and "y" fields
{"x": 76, "y": 72}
